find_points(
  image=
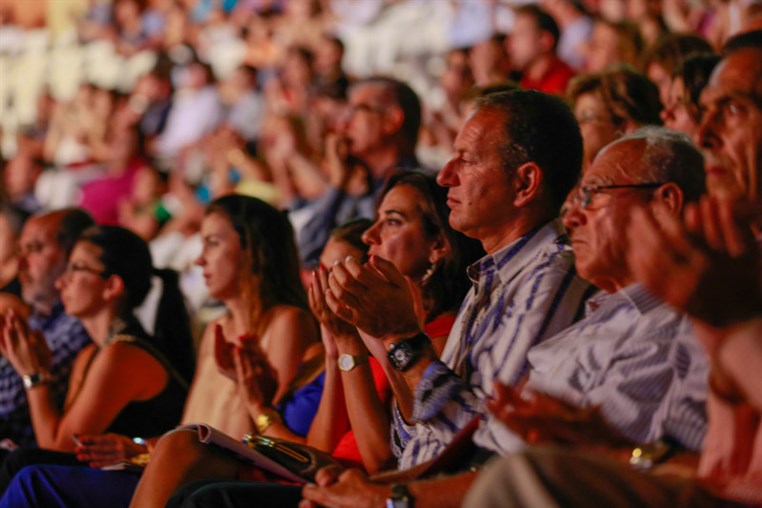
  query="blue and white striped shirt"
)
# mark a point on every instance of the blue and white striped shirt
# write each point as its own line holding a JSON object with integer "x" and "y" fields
{"x": 65, "y": 336}
{"x": 636, "y": 358}
{"x": 521, "y": 295}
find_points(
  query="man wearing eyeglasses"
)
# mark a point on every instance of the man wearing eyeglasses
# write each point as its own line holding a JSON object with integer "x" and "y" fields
{"x": 377, "y": 134}
{"x": 628, "y": 373}
{"x": 44, "y": 245}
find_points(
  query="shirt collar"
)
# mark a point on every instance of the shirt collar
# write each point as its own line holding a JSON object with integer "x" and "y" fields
{"x": 636, "y": 294}
{"x": 42, "y": 321}
{"x": 511, "y": 259}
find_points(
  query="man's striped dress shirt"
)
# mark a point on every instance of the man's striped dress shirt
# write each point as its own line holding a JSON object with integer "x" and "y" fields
{"x": 521, "y": 295}
{"x": 636, "y": 358}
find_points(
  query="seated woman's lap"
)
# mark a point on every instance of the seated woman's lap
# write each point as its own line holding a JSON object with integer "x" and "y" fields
{"x": 69, "y": 487}
{"x": 22, "y": 457}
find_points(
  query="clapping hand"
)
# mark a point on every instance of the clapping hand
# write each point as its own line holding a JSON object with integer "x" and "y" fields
{"x": 333, "y": 327}
{"x": 375, "y": 297}
{"x": 706, "y": 265}
{"x": 543, "y": 418}
{"x": 25, "y": 348}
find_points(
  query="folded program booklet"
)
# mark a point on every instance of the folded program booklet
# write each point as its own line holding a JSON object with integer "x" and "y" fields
{"x": 290, "y": 461}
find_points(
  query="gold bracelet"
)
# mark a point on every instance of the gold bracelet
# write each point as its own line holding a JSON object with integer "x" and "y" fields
{"x": 265, "y": 419}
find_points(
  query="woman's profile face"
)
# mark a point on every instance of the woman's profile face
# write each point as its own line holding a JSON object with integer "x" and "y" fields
{"x": 221, "y": 256}
{"x": 398, "y": 234}
{"x": 82, "y": 284}
{"x": 676, "y": 115}
{"x": 595, "y": 123}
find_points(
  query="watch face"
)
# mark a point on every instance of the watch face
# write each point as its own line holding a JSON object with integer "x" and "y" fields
{"x": 346, "y": 362}
{"x": 401, "y": 355}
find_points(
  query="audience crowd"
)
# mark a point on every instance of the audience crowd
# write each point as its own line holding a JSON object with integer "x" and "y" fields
{"x": 481, "y": 253}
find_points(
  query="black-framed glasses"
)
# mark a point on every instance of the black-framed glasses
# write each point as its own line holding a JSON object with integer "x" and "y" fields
{"x": 72, "y": 268}
{"x": 584, "y": 194}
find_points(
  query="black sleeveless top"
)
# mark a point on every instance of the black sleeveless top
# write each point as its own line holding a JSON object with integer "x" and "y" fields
{"x": 157, "y": 415}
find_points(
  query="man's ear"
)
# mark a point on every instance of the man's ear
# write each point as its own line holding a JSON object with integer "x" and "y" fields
{"x": 527, "y": 182}
{"x": 670, "y": 197}
{"x": 114, "y": 288}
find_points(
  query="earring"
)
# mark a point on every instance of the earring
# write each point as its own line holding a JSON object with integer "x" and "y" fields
{"x": 430, "y": 271}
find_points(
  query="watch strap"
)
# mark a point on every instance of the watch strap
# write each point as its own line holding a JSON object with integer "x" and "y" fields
{"x": 405, "y": 352}
{"x": 35, "y": 379}
{"x": 401, "y": 497}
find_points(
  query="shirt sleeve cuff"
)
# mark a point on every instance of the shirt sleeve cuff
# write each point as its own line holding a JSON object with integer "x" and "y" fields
{"x": 437, "y": 386}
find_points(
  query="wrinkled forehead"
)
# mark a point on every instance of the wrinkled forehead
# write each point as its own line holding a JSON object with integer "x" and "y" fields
{"x": 737, "y": 75}
{"x": 368, "y": 93}
{"x": 619, "y": 162}
{"x": 40, "y": 229}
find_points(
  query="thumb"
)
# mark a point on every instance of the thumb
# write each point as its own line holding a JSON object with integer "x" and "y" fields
{"x": 388, "y": 271}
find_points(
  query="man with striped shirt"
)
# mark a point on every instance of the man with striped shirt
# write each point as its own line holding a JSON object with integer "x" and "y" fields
{"x": 632, "y": 356}
{"x": 518, "y": 156}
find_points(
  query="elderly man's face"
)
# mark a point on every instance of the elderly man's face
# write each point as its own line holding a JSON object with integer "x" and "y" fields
{"x": 597, "y": 217}
{"x": 480, "y": 195}
{"x": 730, "y": 133}
{"x": 41, "y": 261}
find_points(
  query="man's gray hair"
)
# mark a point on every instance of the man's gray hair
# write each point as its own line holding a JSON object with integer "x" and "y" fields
{"x": 669, "y": 156}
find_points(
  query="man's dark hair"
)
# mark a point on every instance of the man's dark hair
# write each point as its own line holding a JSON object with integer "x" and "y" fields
{"x": 399, "y": 93}
{"x": 73, "y": 222}
{"x": 539, "y": 128}
{"x": 543, "y": 20}
{"x": 744, "y": 40}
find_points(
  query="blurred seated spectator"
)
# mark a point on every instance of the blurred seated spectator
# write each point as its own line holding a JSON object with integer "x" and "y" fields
{"x": 576, "y": 26}
{"x": 379, "y": 135}
{"x": 43, "y": 247}
{"x": 11, "y": 223}
{"x": 244, "y": 106}
{"x": 532, "y": 49}
{"x": 667, "y": 55}
{"x": 613, "y": 43}
{"x": 196, "y": 110}
{"x": 20, "y": 176}
{"x": 489, "y": 60}
{"x": 647, "y": 16}
{"x": 610, "y": 104}
{"x": 682, "y": 111}
{"x": 107, "y": 275}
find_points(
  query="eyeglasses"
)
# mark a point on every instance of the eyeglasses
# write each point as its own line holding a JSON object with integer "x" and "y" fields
{"x": 584, "y": 194}
{"x": 30, "y": 248}
{"x": 72, "y": 268}
{"x": 351, "y": 109}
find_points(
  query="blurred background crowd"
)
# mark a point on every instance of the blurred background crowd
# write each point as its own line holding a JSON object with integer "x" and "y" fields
{"x": 143, "y": 111}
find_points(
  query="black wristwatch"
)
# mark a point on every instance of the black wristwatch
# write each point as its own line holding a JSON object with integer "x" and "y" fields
{"x": 400, "y": 498}
{"x": 404, "y": 353}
